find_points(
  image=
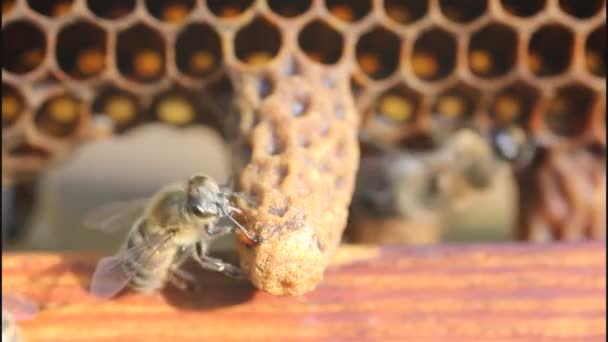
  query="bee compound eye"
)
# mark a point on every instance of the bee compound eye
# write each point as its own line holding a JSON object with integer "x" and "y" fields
{"x": 196, "y": 210}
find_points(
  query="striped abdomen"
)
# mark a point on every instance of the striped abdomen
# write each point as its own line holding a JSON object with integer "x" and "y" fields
{"x": 152, "y": 270}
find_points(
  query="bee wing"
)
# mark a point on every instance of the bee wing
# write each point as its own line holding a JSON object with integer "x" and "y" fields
{"x": 19, "y": 307}
{"x": 110, "y": 275}
{"x": 115, "y": 216}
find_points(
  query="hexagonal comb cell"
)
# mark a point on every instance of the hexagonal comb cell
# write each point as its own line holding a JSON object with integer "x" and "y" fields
{"x": 513, "y": 104}
{"x": 398, "y": 105}
{"x": 378, "y": 52}
{"x": 120, "y": 107}
{"x": 406, "y": 11}
{"x": 321, "y": 42}
{"x": 455, "y": 106}
{"x": 289, "y": 9}
{"x": 59, "y": 116}
{"x": 52, "y": 8}
{"x": 492, "y": 50}
{"x": 257, "y": 43}
{"x": 111, "y": 9}
{"x": 140, "y": 54}
{"x": 349, "y": 11}
{"x": 463, "y": 11}
{"x": 175, "y": 107}
{"x": 581, "y": 9}
{"x": 228, "y": 8}
{"x": 172, "y": 11}
{"x": 523, "y": 8}
{"x": 23, "y": 47}
{"x": 81, "y": 49}
{"x": 434, "y": 55}
{"x": 13, "y": 105}
{"x": 569, "y": 110}
{"x": 595, "y": 51}
{"x": 198, "y": 50}
{"x": 550, "y": 50}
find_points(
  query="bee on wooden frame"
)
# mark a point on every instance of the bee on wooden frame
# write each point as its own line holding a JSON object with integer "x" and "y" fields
{"x": 177, "y": 223}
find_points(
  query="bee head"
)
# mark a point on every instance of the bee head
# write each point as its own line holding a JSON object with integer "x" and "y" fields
{"x": 205, "y": 197}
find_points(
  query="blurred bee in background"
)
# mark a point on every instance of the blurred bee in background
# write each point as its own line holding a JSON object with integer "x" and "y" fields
{"x": 177, "y": 223}
{"x": 15, "y": 308}
{"x": 409, "y": 184}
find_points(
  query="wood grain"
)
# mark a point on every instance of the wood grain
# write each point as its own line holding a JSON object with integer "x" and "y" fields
{"x": 481, "y": 292}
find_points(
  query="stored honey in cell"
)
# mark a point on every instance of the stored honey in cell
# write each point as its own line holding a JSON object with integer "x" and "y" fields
{"x": 91, "y": 61}
{"x": 61, "y": 8}
{"x": 398, "y": 13}
{"x": 315, "y": 56}
{"x": 32, "y": 58}
{"x": 369, "y": 63}
{"x": 425, "y": 65}
{"x": 175, "y": 12}
{"x": 595, "y": 63}
{"x": 175, "y": 110}
{"x": 507, "y": 108}
{"x": 202, "y": 61}
{"x": 343, "y": 12}
{"x": 63, "y": 109}
{"x": 481, "y": 61}
{"x": 230, "y": 11}
{"x": 396, "y": 108}
{"x": 559, "y": 105}
{"x": 120, "y": 108}
{"x": 148, "y": 63}
{"x": 535, "y": 62}
{"x": 7, "y": 6}
{"x": 451, "y": 106}
{"x": 11, "y": 107}
{"x": 258, "y": 58}
{"x": 453, "y": 14}
{"x": 562, "y": 118}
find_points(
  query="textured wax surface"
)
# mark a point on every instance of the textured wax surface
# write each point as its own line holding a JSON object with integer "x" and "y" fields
{"x": 299, "y": 153}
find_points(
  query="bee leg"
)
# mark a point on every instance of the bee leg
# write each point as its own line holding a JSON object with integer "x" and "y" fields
{"x": 216, "y": 265}
{"x": 178, "y": 283}
{"x": 183, "y": 280}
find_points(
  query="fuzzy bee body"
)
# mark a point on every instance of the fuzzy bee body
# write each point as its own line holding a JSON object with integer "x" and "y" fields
{"x": 177, "y": 223}
{"x": 151, "y": 273}
{"x": 408, "y": 185}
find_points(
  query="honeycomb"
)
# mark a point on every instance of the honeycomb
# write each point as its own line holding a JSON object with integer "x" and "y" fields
{"x": 77, "y": 70}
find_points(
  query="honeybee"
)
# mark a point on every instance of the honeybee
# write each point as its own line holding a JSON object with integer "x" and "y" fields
{"x": 15, "y": 308}
{"x": 411, "y": 184}
{"x": 177, "y": 223}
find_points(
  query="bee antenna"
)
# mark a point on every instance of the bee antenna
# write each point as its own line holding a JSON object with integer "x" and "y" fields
{"x": 245, "y": 231}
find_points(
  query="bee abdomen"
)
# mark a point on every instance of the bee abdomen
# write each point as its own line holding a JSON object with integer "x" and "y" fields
{"x": 146, "y": 281}
{"x": 150, "y": 273}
